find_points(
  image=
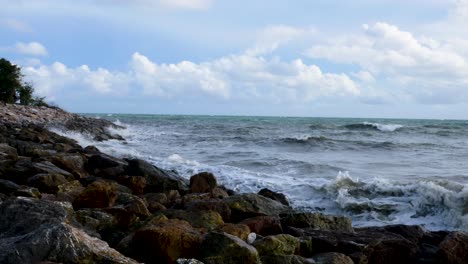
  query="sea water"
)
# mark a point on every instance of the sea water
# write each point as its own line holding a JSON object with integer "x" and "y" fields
{"x": 377, "y": 171}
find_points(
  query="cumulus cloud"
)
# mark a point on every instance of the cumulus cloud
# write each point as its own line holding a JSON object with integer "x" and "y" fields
{"x": 31, "y": 48}
{"x": 236, "y": 77}
{"x": 409, "y": 65}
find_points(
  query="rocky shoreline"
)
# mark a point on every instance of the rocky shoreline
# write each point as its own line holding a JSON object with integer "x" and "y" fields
{"x": 64, "y": 203}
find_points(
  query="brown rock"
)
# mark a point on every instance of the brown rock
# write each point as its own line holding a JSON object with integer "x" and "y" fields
{"x": 333, "y": 258}
{"x": 239, "y": 230}
{"x": 98, "y": 194}
{"x": 202, "y": 182}
{"x": 218, "y": 206}
{"x": 317, "y": 221}
{"x": 454, "y": 248}
{"x": 264, "y": 225}
{"x": 218, "y": 248}
{"x": 166, "y": 241}
{"x": 274, "y": 196}
{"x": 47, "y": 183}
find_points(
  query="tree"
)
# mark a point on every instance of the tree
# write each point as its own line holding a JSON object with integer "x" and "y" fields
{"x": 12, "y": 89}
{"x": 10, "y": 81}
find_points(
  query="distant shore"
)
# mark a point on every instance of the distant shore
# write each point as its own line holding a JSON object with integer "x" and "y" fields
{"x": 65, "y": 203}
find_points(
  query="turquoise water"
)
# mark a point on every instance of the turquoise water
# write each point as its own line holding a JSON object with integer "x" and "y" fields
{"x": 378, "y": 171}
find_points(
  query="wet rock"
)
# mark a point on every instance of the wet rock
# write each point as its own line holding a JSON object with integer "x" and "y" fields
{"x": 238, "y": 230}
{"x": 202, "y": 182}
{"x": 73, "y": 163}
{"x": 317, "y": 221}
{"x": 40, "y": 231}
{"x": 69, "y": 191}
{"x": 105, "y": 166}
{"x": 391, "y": 251}
{"x": 208, "y": 220}
{"x": 224, "y": 248}
{"x": 333, "y": 258}
{"x": 47, "y": 183}
{"x": 137, "y": 207}
{"x": 285, "y": 259}
{"x": 136, "y": 183}
{"x": 264, "y": 225}
{"x": 218, "y": 206}
{"x": 188, "y": 261}
{"x": 8, "y": 187}
{"x": 7, "y": 149}
{"x": 26, "y": 191}
{"x": 165, "y": 241}
{"x": 250, "y": 205}
{"x": 98, "y": 194}
{"x": 157, "y": 180}
{"x": 95, "y": 221}
{"x": 274, "y": 196}
{"x": 277, "y": 245}
{"x": 24, "y": 168}
{"x": 454, "y": 248}
{"x": 219, "y": 193}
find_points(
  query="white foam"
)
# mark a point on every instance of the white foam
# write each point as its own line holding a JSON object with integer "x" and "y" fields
{"x": 384, "y": 127}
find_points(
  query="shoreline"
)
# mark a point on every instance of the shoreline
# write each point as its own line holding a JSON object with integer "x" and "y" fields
{"x": 115, "y": 210}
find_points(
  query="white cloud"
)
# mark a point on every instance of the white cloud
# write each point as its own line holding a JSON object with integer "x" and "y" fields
{"x": 17, "y": 25}
{"x": 187, "y": 4}
{"x": 31, "y": 48}
{"x": 417, "y": 66}
{"x": 235, "y": 78}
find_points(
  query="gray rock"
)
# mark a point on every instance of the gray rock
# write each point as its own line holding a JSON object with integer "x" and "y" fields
{"x": 317, "y": 221}
{"x": 7, "y": 149}
{"x": 40, "y": 230}
{"x": 332, "y": 258}
{"x": 250, "y": 205}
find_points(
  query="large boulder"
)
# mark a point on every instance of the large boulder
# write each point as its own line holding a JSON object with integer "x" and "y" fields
{"x": 274, "y": 196}
{"x": 208, "y": 220}
{"x": 317, "y": 221}
{"x": 202, "y": 182}
{"x": 40, "y": 231}
{"x": 220, "y": 248}
{"x": 264, "y": 225}
{"x": 157, "y": 180}
{"x": 47, "y": 183}
{"x": 454, "y": 248}
{"x": 250, "y": 205}
{"x": 73, "y": 163}
{"x": 166, "y": 241}
{"x": 24, "y": 168}
{"x": 238, "y": 230}
{"x": 98, "y": 194}
{"x": 8, "y": 187}
{"x": 218, "y": 206}
{"x": 277, "y": 245}
{"x": 106, "y": 166}
{"x": 7, "y": 149}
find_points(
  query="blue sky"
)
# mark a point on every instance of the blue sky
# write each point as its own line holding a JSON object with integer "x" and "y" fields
{"x": 362, "y": 58}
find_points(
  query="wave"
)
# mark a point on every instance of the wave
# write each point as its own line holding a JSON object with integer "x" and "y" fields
{"x": 435, "y": 204}
{"x": 373, "y": 126}
{"x": 305, "y": 139}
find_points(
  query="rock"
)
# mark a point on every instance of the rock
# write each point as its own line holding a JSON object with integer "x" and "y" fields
{"x": 26, "y": 191}
{"x": 8, "y": 187}
{"x": 264, "y": 225}
{"x": 188, "y": 261}
{"x": 333, "y": 258}
{"x": 105, "y": 166}
{"x": 136, "y": 183}
{"x": 40, "y": 231}
{"x": 285, "y": 259}
{"x": 47, "y": 183}
{"x": 208, "y": 220}
{"x": 274, "y": 196}
{"x": 202, "y": 182}
{"x": 98, "y": 194}
{"x": 219, "y": 193}
{"x": 251, "y": 238}
{"x": 165, "y": 241}
{"x": 7, "y": 149}
{"x": 160, "y": 198}
{"x": 250, "y": 205}
{"x": 137, "y": 207}
{"x": 24, "y": 168}
{"x": 317, "y": 221}
{"x": 277, "y": 245}
{"x": 218, "y": 206}
{"x": 224, "y": 248}
{"x": 413, "y": 233}
{"x": 74, "y": 163}
{"x": 238, "y": 230}
{"x": 454, "y": 248}
{"x": 95, "y": 220}
{"x": 157, "y": 180}
{"x": 391, "y": 251}
{"x": 69, "y": 191}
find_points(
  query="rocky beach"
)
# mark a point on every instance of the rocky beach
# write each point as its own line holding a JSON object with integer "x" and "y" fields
{"x": 65, "y": 203}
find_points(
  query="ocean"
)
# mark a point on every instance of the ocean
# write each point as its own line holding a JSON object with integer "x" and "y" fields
{"x": 376, "y": 171}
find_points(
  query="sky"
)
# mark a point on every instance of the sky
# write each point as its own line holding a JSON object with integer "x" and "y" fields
{"x": 322, "y": 58}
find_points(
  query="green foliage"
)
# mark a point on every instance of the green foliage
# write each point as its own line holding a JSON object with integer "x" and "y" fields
{"x": 10, "y": 81}
{"x": 12, "y": 89}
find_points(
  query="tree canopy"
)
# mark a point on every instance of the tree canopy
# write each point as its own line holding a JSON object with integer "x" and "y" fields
{"x": 12, "y": 88}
